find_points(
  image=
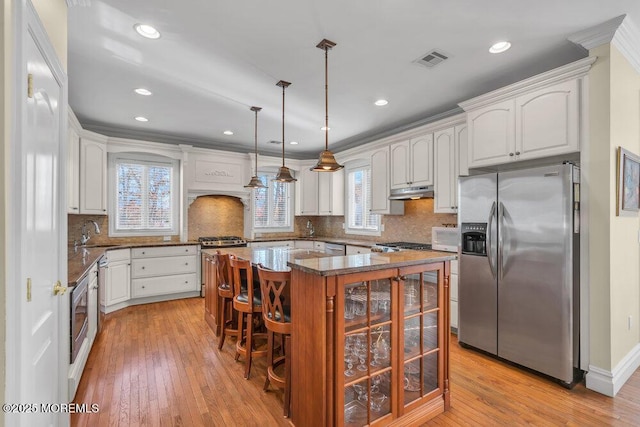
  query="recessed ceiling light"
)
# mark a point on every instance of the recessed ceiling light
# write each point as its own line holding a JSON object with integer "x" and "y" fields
{"x": 142, "y": 119}
{"x": 228, "y": 132}
{"x": 381, "y": 102}
{"x": 147, "y": 31}
{"x": 500, "y": 47}
{"x": 325, "y": 128}
{"x": 142, "y": 91}
{"x": 294, "y": 143}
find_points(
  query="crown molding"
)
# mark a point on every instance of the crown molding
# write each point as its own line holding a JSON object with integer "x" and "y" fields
{"x": 598, "y": 35}
{"x": 570, "y": 71}
{"x": 627, "y": 41}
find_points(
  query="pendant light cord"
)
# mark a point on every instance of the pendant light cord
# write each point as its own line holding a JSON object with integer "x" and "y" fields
{"x": 283, "y": 87}
{"x": 256, "y": 140}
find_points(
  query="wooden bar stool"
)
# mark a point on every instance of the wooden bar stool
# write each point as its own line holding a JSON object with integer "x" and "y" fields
{"x": 247, "y": 301}
{"x": 228, "y": 318}
{"x": 276, "y": 314}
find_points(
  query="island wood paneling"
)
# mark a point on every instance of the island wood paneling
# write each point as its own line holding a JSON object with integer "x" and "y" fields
{"x": 158, "y": 365}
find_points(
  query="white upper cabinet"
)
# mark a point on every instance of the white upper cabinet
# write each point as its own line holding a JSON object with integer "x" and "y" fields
{"x": 492, "y": 134}
{"x": 412, "y": 162}
{"x": 331, "y": 193}
{"x": 380, "y": 203}
{"x": 73, "y": 172}
{"x": 321, "y": 193}
{"x": 308, "y": 183}
{"x": 93, "y": 177}
{"x": 450, "y": 163}
{"x": 532, "y": 119}
{"x": 547, "y": 121}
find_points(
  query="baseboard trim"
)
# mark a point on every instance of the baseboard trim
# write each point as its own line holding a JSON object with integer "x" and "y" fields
{"x": 609, "y": 383}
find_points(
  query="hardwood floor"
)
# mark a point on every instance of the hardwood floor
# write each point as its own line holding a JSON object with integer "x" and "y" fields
{"x": 159, "y": 365}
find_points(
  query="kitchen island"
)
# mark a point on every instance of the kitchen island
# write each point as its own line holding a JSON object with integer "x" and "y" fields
{"x": 370, "y": 342}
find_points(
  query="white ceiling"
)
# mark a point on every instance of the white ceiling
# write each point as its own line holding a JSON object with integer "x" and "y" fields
{"x": 216, "y": 59}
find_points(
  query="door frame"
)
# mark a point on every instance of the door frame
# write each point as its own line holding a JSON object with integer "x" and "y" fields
{"x": 26, "y": 23}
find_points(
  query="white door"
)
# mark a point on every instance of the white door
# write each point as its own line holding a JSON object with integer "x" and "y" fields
{"x": 40, "y": 232}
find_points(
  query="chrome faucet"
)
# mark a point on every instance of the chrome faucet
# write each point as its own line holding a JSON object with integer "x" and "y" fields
{"x": 310, "y": 228}
{"x": 85, "y": 233}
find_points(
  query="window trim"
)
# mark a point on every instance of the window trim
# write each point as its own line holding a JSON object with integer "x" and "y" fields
{"x": 347, "y": 212}
{"x": 113, "y": 159}
{"x": 291, "y": 200}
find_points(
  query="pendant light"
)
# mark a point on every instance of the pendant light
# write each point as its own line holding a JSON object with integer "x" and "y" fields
{"x": 284, "y": 174}
{"x": 327, "y": 161}
{"x": 255, "y": 181}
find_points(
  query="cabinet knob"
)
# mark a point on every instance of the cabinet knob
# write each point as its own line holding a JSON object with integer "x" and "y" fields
{"x": 186, "y": 250}
{"x": 186, "y": 281}
{"x": 142, "y": 286}
{"x": 143, "y": 267}
{"x": 517, "y": 153}
{"x": 143, "y": 252}
{"x": 104, "y": 210}
{"x": 186, "y": 263}
{"x": 511, "y": 154}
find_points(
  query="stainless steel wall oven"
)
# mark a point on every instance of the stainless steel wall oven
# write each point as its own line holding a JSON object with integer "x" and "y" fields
{"x": 79, "y": 319}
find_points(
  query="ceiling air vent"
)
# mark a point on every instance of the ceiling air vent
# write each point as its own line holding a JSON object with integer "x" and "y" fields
{"x": 432, "y": 58}
{"x": 273, "y": 141}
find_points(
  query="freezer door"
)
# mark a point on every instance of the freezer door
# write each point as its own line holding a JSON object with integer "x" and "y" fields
{"x": 535, "y": 269}
{"x": 477, "y": 280}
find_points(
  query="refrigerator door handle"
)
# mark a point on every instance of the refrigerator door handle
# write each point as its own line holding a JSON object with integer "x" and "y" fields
{"x": 490, "y": 258}
{"x": 500, "y": 239}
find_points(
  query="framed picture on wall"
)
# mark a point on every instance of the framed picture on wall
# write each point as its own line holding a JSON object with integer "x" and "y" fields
{"x": 628, "y": 169}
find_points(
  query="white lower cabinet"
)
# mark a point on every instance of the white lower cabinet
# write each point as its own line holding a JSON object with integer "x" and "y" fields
{"x": 118, "y": 281}
{"x": 164, "y": 270}
{"x": 454, "y": 294}
{"x": 304, "y": 244}
{"x": 352, "y": 249}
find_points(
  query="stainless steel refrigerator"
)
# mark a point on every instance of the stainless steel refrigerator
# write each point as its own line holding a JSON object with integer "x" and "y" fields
{"x": 519, "y": 272}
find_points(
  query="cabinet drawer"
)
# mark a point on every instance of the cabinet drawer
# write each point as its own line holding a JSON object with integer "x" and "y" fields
{"x": 118, "y": 255}
{"x": 164, "y": 285}
{"x": 164, "y": 251}
{"x": 147, "y": 267}
{"x": 319, "y": 246}
{"x": 351, "y": 250}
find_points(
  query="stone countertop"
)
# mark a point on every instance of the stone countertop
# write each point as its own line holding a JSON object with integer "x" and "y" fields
{"x": 342, "y": 241}
{"x": 279, "y": 258}
{"x": 79, "y": 263}
{"x": 357, "y": 263}
{"x": 276, "y": 258}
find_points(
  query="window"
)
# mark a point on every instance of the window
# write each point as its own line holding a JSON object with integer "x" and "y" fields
{"x": 145, "y": 195}
{"x": 359, "y": 218}
{"x": 272, "y": 206}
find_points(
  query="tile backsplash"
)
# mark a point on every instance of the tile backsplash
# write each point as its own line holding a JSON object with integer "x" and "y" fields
{"x": 224, "y": 215}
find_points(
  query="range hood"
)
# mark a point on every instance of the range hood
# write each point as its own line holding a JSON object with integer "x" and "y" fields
{"x": 411, "y": 193}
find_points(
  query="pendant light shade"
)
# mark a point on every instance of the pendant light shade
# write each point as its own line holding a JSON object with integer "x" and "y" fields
{"x": 284, "y": 174}
{"x": 327, "y": 161}
{"x": 255, "y": 181}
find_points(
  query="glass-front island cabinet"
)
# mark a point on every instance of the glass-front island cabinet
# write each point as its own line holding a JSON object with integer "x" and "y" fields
{"x": 370, "y": 341}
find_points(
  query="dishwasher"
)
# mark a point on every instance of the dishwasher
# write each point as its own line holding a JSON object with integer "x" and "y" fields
{"x": 334, "y": 249}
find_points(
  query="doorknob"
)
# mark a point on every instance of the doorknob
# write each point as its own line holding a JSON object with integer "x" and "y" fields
{"x": 58, "y": 289}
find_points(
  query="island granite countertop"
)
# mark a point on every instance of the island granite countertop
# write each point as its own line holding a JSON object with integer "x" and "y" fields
{"x": 276, "y": 258}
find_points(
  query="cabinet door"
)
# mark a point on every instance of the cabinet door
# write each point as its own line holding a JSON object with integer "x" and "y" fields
{"x": 73, "y": 172}
{"x": 118, "y": 282}
{"x": 547, "y": 121}
{"x": 463, "y": 151}
{"x": 492, "y": 134}
{"x": 308, "y": 192}
{"x": 400, "y": 168}
{"x": 422, "y": 356}
{"x": 368, "y": 348}
{"x": 445, "y": 199}
{"x": 380, "y": 202}
{"x": 93, "y": 177}
{"x": 331, "y": 193}
{"x": 421, "y": 160}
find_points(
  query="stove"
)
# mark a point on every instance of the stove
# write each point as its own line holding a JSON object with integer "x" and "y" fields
{"x": 401, "y": 246}
{"x": 222, "y": 242}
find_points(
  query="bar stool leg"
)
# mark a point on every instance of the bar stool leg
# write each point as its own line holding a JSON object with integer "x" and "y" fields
{"x": 287, "y": 375}
{"x": 223, "y": 322}
{"x": 270, "y": 344}
{"x": 248, "y": 346}
{"x": 240, "y": 330}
